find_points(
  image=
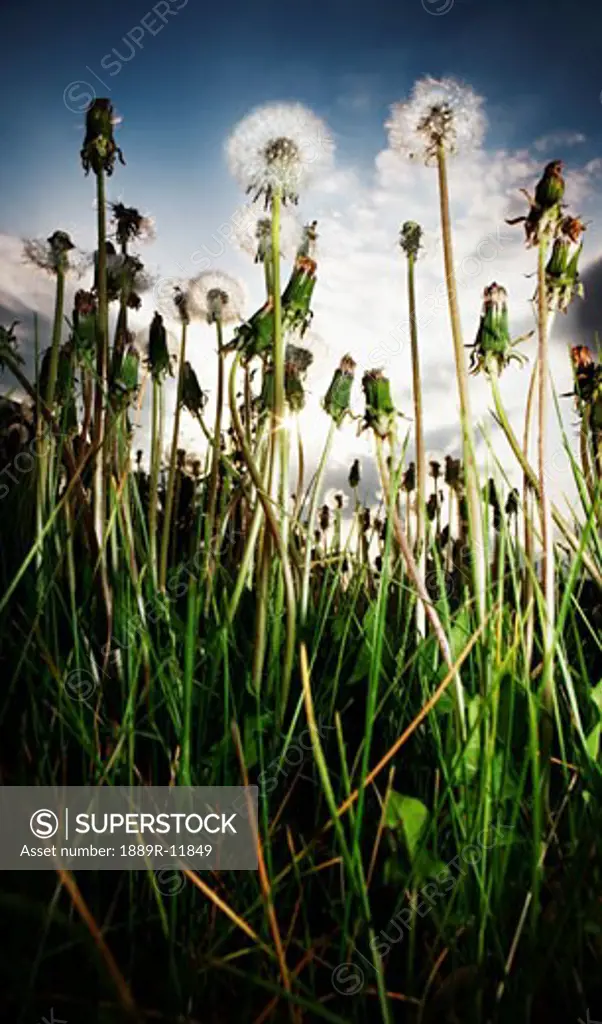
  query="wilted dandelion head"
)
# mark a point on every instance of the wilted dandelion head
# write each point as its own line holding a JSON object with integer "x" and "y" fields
{"x": 279, "y": 148}
{"x": 131, "y": 225}
{"x": 213, "y": 296}
{"x": 253, "y": 233}
{"x": 439, "y": 113}
{"x": 51, "y": 254}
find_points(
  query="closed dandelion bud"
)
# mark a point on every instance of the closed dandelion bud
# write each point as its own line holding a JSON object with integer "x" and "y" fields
{"x": 453, "y": 472}
{"x": 355, "y": 474}
{"x": 193, "y": 397}
{"x": 409, "y": 478}
{"x": 380, "y": 411}
{"x": 84, "y": 322}
{"x": 550, "y": 188}
{"x": 493, "y": 349}
{"x": 562, "y": 271}
{"x": 324, "y": 518}
{"x": 338, "y": 397}
{"x": 308, "y": 244}
{"x": 431, "y": 507}
{"x": 435, "y": 469}
{"x": 410, "y": 238}
{"x": 584, "y": 369}
{"x": 339, "y": 501}
{"x": 99, "y": 149}
{"x": 297, "y": 295}
{"x": 511, "y": 508}
{"x": 158, "y": 360}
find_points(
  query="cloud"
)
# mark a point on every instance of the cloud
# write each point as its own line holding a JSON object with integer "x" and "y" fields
{"x": 361, "y": 304}
{"x": 558, "y": 139}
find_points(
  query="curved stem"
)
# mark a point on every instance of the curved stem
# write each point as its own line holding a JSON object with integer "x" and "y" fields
{"x": 533, "y": 480}
{"x": 171, "y": 481}
{"x": 472, "y": 481}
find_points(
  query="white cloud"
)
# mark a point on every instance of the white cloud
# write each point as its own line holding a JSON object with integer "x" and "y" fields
{"x": 556, "y": 139}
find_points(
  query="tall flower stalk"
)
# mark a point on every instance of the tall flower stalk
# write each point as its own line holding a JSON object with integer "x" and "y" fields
{"x": 441, "y": 118}
{"x": 411, "y": 235}
{"x": 181, "y": 300}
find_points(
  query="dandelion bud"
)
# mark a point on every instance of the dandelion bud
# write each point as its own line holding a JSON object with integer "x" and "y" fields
{"x": 193, "y": 398}
{"x": 338, "y": 396}
{"x": 339, "y": 500}
{"x": 84, "y": 322}
{"x": 125, "y": 386}
{"x": 355, "y": 474}
{"x": 158, "y": 359}
{"x": 550, "y": 188}
{"x": 511, "y": 507}
{"x": 562, "y": 271}
{"x": 435, "y": 469}
{"x": 99, "y": 149}
{"x": 409, "y": 478}
{"x": 297, "y": 295}
{"x": 324, "y": 518}
{"x": 453, "y": 472}
{"x": 410, "y": 238}
{"x": 493, "y": 349}
{"x": 380, "y": 412}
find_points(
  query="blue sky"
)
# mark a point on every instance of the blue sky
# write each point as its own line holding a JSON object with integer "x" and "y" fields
{"x": 181, "y": 73}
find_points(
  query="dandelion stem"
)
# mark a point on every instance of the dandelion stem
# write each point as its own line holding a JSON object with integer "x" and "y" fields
{"x": 421, "y": 592}
{"x": 171, "y": 481}
{"x": 548, "y": 588}
{"x": 217, "y": 431}
{"x": 472, "y": 482}
{"x": 419, "y": 428}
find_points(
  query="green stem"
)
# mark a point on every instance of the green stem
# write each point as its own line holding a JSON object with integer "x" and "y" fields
{"x": 548, "y": 588}
{"x": 171, "y": 481}
{"x": 472, "y": 480}
{"x": 420, "y": 450}
{"x": 56, "y": 335}
{"x": 217, "y": 430}
{"x": 156, "y": 446}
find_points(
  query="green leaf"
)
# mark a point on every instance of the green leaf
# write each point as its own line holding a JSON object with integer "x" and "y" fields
{"x": 410, "y": 815}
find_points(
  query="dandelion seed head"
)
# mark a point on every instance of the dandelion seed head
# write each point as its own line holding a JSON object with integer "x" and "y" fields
{"x": 440, "y": 112}
{"x": 216, "y": 296}
{"x": 280, "y": 147}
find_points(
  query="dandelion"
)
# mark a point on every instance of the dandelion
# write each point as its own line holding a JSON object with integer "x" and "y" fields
{"x": 355, "y": 474}
{"x": 562, "y": 270}
{"x": 441, "y": 114}
{"x": 443, "y": 117}
{"x": 253, "y": 234}
{"x": 216, "y": 298}
{"x": 51, "y": 255}
{"x": 279, "y": 149}
{"x": 131, "y": 225}
{"x": 380, "y": 412}
{"x": 493, "y": 349}
{"x": 541, "y": 222}
{"x": 100, "y": 150}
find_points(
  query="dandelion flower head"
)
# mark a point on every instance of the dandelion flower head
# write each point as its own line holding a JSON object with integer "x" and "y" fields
{"x": 214, "y": 296}
{"x": 279, "y": 148}
{"x": 439, "y": 113}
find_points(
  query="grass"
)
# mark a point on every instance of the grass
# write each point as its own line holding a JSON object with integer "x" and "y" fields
{"x": 421, "y": 712}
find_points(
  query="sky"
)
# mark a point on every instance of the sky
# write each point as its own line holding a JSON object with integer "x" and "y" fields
{"x": 182, "y": 73}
